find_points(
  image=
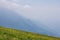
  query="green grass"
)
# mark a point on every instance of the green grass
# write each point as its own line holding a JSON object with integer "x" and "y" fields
{"x": 12, "y": 34}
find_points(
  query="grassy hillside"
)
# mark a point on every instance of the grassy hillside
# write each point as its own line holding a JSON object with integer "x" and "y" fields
{"x": 12, "y": 34}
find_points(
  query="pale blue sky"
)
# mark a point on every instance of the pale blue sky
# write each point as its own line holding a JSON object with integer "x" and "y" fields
{"x": 41, "y": 1}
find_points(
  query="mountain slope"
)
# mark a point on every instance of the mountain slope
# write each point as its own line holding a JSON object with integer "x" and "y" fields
{"x": 12, "y": 34}
{"x": 11, "y": 19}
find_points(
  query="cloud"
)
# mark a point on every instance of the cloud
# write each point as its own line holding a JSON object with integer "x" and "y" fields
{"x": 9, "y": 4}
{"x": 15, "y": 6}
{"x": 27, "y": 6}
{"x": 14, "y": 0}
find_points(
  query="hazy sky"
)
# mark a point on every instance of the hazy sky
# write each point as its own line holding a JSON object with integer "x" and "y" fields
{"x": 45, "y": 11}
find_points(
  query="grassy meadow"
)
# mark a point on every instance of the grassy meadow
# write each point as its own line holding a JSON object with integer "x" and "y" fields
{"x": 13, "y": 34}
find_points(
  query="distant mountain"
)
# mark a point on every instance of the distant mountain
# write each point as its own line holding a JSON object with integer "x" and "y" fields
{"x": 11, "y": 19}
{"x": 13, "y": 34}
